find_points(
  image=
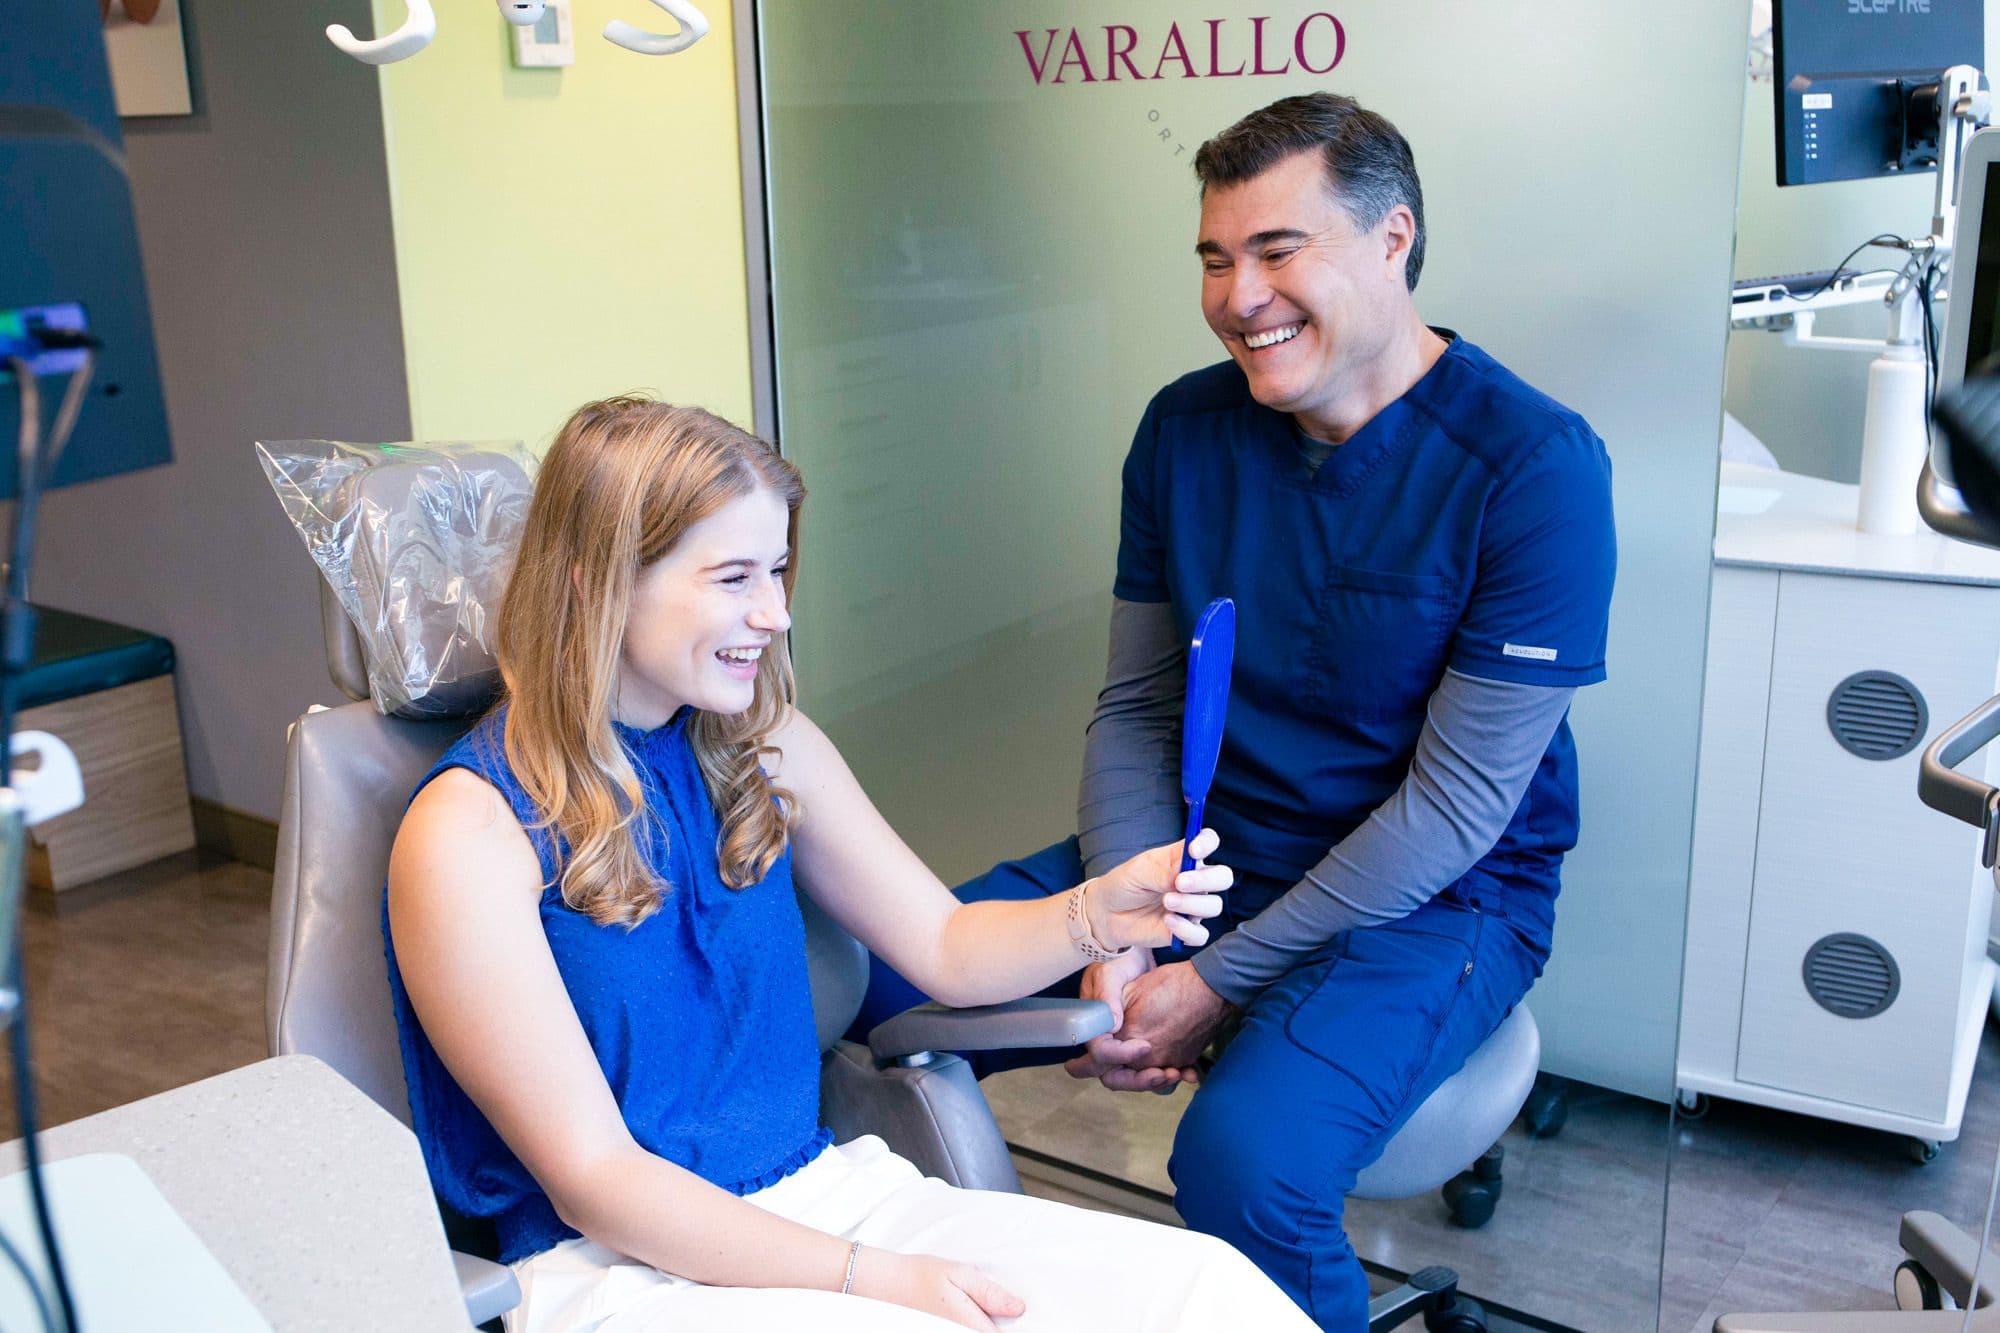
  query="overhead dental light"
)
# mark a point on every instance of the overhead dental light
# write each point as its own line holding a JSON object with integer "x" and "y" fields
{"x": 421, "y": 26}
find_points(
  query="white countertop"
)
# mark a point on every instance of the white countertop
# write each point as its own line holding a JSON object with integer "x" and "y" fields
{"x": 1767, "y": 519}
{"x": 312, "y": 1198}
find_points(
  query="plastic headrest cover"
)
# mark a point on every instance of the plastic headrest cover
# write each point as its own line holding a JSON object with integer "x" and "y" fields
{"x": 416, "y": 544}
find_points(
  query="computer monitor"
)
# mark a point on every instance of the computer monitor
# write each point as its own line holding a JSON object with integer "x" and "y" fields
{"x": 1850, "y": 79}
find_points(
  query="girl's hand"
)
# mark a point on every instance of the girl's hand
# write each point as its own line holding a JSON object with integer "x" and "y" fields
{"x": 942, "y": 1287}
{"x": 1149, "y": 900}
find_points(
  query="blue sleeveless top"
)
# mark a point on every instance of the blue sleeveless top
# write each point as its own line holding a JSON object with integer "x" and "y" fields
{"x": 700, "y": 1016}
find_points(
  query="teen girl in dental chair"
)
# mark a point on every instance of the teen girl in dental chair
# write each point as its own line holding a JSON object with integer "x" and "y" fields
{"x": 599, "y": 968}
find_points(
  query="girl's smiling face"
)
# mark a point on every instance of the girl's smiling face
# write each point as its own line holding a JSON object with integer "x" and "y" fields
{"x": 703, "y": 614}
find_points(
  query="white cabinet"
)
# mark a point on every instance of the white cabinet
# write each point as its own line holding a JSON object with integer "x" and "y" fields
{"x": 1836, "y": 949}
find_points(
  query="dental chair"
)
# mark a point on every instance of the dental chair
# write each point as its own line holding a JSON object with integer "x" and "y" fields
{"x": 349, "y": 775}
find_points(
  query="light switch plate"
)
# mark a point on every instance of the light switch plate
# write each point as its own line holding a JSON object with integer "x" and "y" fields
{"x": 548, "y": 43}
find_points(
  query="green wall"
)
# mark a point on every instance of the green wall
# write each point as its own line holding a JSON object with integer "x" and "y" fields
{"x": 562, "y": 234}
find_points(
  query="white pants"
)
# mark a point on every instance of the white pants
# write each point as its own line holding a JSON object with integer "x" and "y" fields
{"x": 1075, "y": 1269}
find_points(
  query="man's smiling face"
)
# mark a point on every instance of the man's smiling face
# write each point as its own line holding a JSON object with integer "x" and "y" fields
{"x": 1301, "y": 297}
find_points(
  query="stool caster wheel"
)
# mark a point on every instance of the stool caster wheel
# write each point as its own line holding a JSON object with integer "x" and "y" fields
{"x": 1547, "y": 1107}
{"x": 1690, "y": 1105}
{"x": 1922, "y": 1151}
{"x": 1473, "y": 1194}
{"x": 1471, "y": 1200}
{"x": 1915, "y": 1288}
{"x": 1464, "y": 1316}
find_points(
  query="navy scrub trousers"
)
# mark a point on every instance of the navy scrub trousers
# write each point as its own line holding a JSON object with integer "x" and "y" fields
{"x": 1328, "y": 1064}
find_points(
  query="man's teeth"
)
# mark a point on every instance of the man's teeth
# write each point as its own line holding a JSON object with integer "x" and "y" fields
{"x": 740, "y": 654}
{"x": 1272, "y": 337}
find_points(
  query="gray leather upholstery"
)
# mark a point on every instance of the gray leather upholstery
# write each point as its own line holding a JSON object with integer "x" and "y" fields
{"x": 348, "y": 775}
{"x": 1017, "y": 1025}
{"x": 1949, "y": 1253}
{"x": 1464, "y": 1117}
{"x": 489, "y": 1289}
{"x": 933, "y": 1114}
{"x": 838, "y": 968}
{"x": 344, "y": 659}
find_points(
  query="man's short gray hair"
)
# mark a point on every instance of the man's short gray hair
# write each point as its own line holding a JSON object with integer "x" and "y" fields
{"x": 1369, "y": 166}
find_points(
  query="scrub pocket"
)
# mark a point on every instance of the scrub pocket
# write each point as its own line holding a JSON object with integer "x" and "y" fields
{"x": 1379, "y": 645}
{"x": 1380, "y": 1011}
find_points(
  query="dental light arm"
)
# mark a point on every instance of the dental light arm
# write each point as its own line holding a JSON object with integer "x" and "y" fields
{"x": 404, "y": 42}
{"x": 693, "y": 27}
{"x": 421, "y": 26}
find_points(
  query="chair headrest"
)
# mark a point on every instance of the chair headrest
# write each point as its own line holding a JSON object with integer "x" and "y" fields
{"x": 415, "y": 545}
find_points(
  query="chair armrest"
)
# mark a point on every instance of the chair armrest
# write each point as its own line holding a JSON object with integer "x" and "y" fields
{"x": 1949, "y": 1253}
{"x": 490, "y": 1290}
{"x": 1016, "y": 1025}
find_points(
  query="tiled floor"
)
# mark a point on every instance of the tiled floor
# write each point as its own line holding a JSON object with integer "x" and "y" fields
{"x": 1585, "y": 1206}
{"x": 157, "y": 979}
{"x": 1764, "y": 1211}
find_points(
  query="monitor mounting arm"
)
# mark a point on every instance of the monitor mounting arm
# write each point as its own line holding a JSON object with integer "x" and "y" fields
{"x": 1963, "y": 107}
{"x": 1896, "y": 429}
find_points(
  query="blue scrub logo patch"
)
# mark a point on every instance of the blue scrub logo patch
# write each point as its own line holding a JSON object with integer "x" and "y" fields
{"x": 1523, "y": 650}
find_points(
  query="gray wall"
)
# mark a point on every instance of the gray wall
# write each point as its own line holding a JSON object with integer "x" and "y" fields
{"x": 265, "y": 228}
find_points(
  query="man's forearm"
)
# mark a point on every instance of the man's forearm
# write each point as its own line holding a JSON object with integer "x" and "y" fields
{"x": 1130, "y": 796}
{"x": 1481, "y": 743}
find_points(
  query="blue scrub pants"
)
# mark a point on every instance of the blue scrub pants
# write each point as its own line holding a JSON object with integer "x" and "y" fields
{"x": 1330, "y": 1061}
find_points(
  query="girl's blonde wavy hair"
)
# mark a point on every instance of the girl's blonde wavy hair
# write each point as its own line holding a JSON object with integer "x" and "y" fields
{"x": 624, "y": 480}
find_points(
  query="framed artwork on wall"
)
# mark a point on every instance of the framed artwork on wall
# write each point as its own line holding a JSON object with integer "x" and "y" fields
{"x": 148, "y": 56}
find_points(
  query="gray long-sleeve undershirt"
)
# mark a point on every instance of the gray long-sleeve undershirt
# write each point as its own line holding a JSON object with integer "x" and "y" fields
{"x": 1481, "y": 742}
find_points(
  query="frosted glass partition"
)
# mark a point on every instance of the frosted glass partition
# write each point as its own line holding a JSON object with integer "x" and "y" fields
{"x": 982, "y": 218}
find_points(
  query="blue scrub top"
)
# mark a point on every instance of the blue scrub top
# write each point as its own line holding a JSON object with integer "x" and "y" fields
{"x": 1468, "y": 525}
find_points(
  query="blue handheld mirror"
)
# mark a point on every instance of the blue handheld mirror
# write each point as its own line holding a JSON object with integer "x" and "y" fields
{"x": 1210, "y": 657}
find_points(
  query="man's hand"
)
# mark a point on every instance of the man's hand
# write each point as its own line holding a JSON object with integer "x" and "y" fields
{"x": 1119, "y": 1064}
{"x": 1172, "y": 1011}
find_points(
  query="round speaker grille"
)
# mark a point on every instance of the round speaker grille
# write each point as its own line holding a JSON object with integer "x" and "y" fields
{"x": 1877, "y": 715}
{"x": 1851, "y": 975}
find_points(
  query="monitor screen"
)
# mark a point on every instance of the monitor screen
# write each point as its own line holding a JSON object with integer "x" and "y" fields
{"x": 1843, "y": 73}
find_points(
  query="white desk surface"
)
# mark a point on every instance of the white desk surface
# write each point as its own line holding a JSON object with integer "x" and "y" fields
{"x": 1809, "y": 526}
{"x": 313, "y": 1198}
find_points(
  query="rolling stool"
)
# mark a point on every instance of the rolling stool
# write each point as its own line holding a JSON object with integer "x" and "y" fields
{"x": 1461, "y": 1122}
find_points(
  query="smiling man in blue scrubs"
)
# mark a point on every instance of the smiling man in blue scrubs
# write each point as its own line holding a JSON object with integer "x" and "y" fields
{"x": 1420, "y": 548}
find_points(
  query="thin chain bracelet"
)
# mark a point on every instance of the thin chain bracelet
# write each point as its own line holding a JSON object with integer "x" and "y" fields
{"x": 847, "y": 1283}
